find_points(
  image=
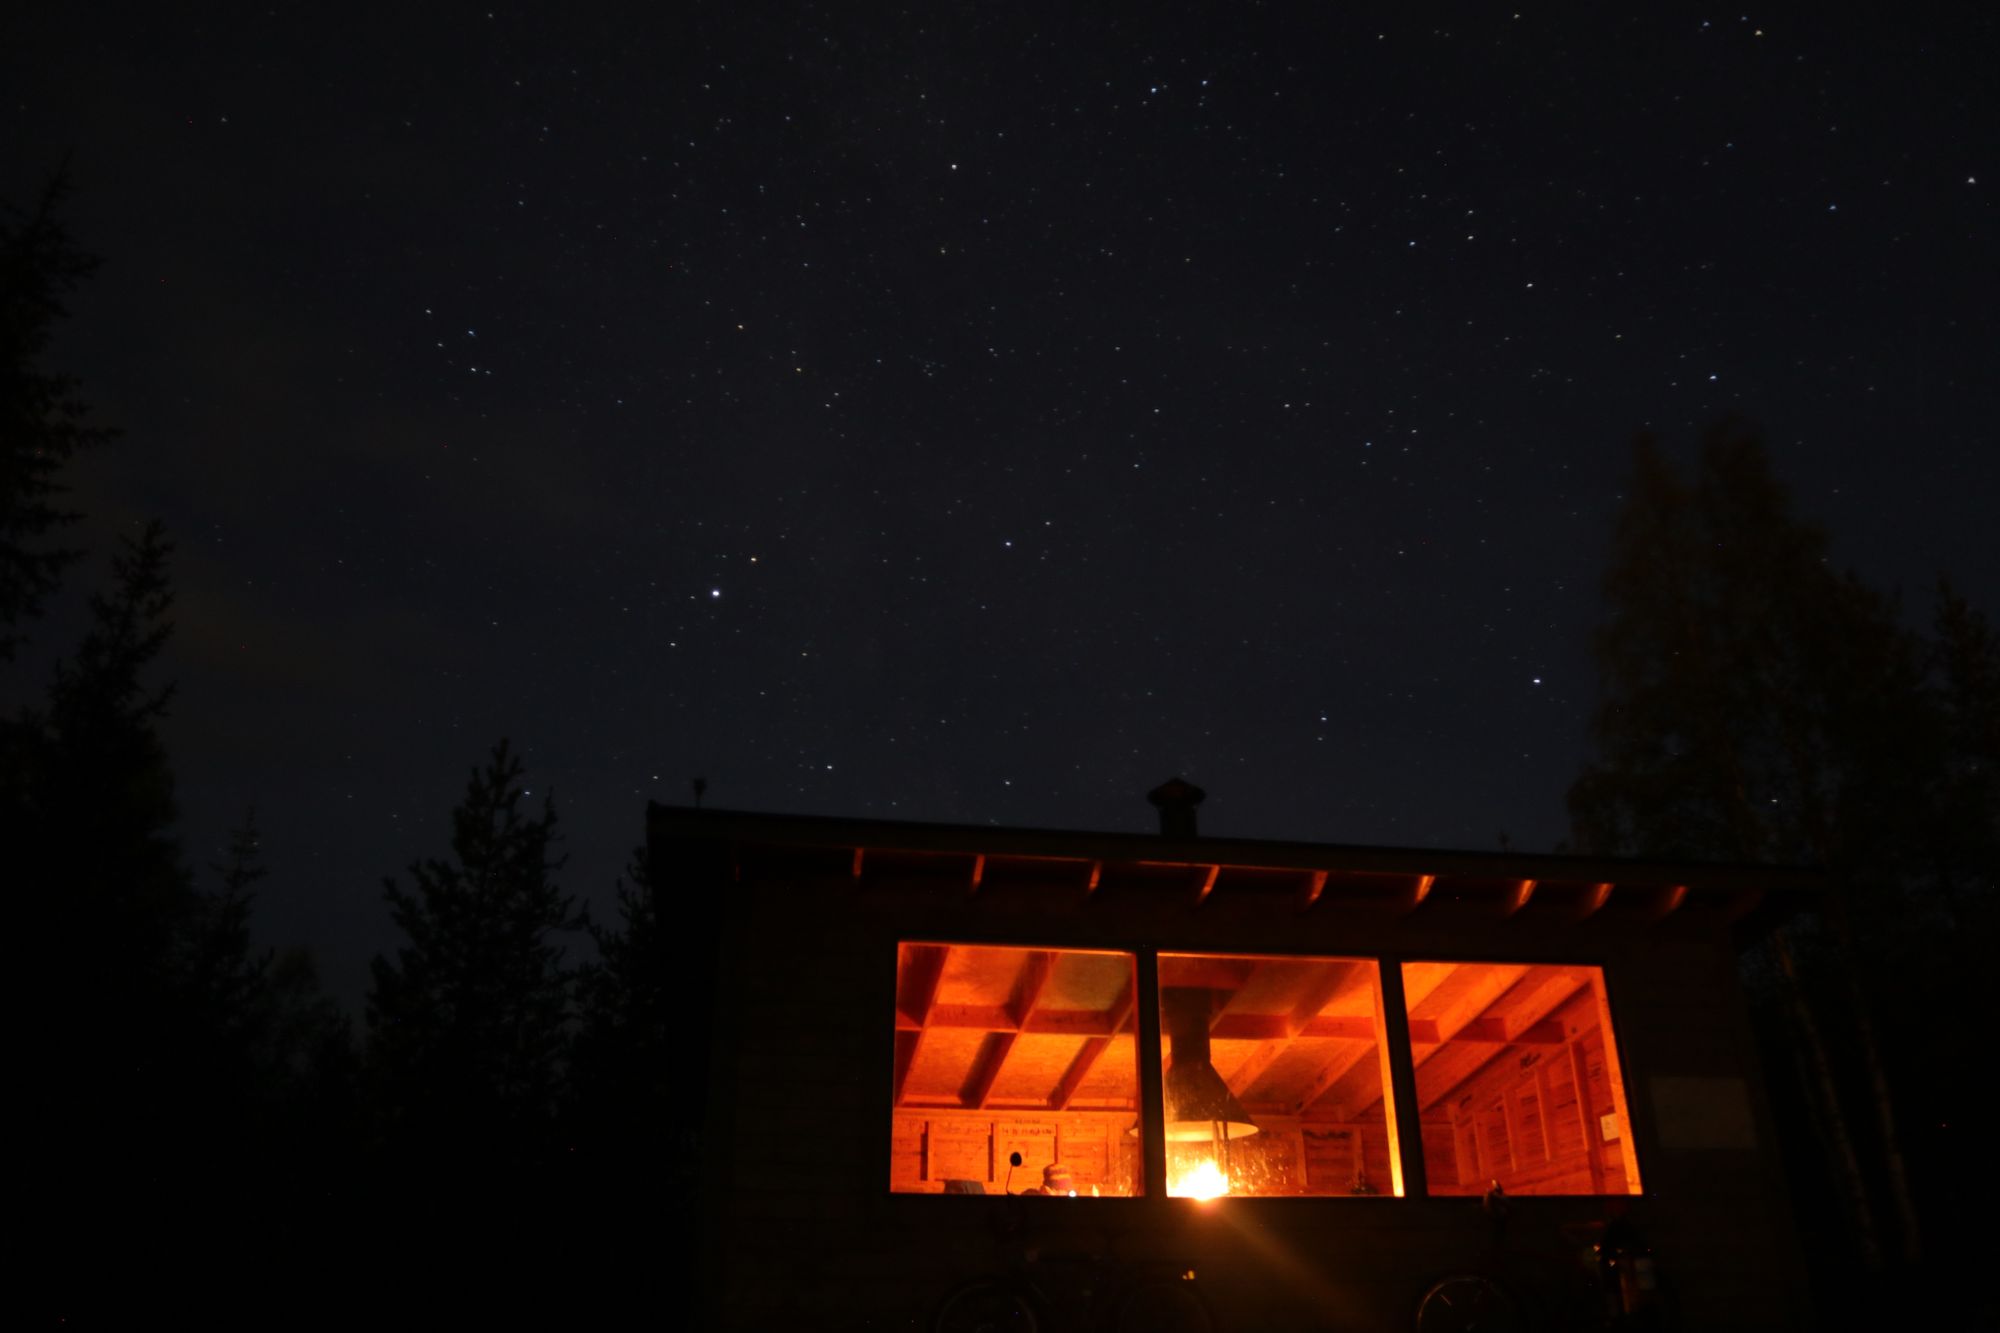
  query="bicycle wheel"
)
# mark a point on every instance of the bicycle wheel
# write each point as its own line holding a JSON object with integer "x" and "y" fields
{"x": 1165, "y": 1306}
{"x": 1468, "y": 1303}
{"x": 986, "y": 1305}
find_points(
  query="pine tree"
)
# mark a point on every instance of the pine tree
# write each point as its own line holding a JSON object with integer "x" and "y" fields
{"x": 468, "y": 1024}
{"x": 622, "y": 997}
{"x": 90, "y": 782}
{"x": 630, "y": 1050}
{"x": 42, "y": 420}
{"x": 97, "y": 872}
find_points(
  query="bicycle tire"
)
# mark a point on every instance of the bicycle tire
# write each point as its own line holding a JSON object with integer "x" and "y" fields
{"x": 1469, "y": 1303}
{"x": 1165, "y": 1305}
{"x": 986, "y": 1305}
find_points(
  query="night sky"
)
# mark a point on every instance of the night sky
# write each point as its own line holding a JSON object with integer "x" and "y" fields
{"x": 966, "y": 414}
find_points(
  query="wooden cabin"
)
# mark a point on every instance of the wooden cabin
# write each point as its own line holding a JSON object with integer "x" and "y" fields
{"x": 1290, "y": 1073}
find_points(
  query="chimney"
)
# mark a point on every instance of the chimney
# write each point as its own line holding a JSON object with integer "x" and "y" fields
{"x": 1176, "y": 800}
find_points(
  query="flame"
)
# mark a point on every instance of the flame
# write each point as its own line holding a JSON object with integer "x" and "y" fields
{"x": 1204, "y": 1181}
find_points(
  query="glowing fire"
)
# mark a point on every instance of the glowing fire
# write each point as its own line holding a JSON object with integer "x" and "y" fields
{"x": 1204, "y": 1181}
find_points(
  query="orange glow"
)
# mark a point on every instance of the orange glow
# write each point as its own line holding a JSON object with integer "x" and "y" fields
{"x": 1011, "y": 1060}
{"x": 1203, "y": 1181}
{"x": 1518, "y": 1079}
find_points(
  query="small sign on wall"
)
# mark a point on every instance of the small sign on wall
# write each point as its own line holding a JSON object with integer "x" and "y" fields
{"x": 1703, "y": 1112}
{"x": 1607, "y": 1127}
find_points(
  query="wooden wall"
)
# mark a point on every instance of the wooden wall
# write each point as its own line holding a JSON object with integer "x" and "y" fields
{"x": 804, "y": 1228}
{"x": 1520, "y": 1121}
{"x": 928, "y": 1148}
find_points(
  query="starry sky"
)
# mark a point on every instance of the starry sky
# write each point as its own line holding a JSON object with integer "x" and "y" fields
{"x": 973, "y": 412}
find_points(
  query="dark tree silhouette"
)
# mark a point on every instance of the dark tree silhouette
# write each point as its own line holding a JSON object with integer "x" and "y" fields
{"x": 107, "y": 902}
{"x": 640, "y": 1080}
{"x": 1757, "y": 705}
{"x": 42, "y": 420}
{"x": 621, "y": 1061}
{"x": 467, "y": 1025}
{"x": 173, "y": 1078}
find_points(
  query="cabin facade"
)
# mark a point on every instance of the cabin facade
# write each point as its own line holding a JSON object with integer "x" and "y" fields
{"x": 1289, "y": 1075}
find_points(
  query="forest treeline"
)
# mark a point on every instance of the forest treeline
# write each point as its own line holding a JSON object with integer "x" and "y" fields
{"x": 509, "y": 1129}
{"x": 207, "y": 1134}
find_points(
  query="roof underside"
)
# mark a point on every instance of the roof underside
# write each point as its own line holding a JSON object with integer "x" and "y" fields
{"x": 1195, "y": 871}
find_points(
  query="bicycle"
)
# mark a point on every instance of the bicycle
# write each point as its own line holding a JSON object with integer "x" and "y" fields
{"x": 1054, "y": 1293}
{"x": 1516, "y": 1289}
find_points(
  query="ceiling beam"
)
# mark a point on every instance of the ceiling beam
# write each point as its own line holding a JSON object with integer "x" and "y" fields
{"x": 985, "y": 1069}
{"x": 1079, "y": 1068}
{"x": 1029, "y": 984}
{"x": 1458, "y": 1061}
{"x": 917, "y": 974}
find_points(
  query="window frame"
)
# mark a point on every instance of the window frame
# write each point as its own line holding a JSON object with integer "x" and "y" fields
{"x": 1405, "y": 1128}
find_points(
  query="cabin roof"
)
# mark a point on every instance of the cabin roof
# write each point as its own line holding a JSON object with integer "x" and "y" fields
{"x": 1398, "y": 877}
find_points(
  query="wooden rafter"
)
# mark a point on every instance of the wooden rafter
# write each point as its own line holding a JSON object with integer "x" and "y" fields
{"x": 1090, "y": 1052}
{"x": 1446, "y": 1067}
{"x": 1344, "y": 1061}
{"x": 917, "y": 983}
{"x": 1079, "y": 1069}
{"x": 1593, "y": 901}
{"x": 985, "y": 1069}
{"x": 1276, "y": 1033}
{"x": 1315, "y": 886}
{"x": 1285, "y": 1027}
{"x": 1419, "y": 891}
{"x": 1518, "y": 896}
{"x": 1000, "y": 1018}
{"x": 1491, "y": 1031}
{"x": 1207, "y": 884}
{"x": 1028, "y": 986}
{"x": 1019, "y": 1013}
{"x": 916, "y": 999}
{"x": 1670, "y": 902}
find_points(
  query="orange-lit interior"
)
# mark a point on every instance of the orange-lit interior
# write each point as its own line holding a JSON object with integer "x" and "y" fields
{"x": 1298, "y": 1044}
{"x": 1004, "y": 1050}
{"x": 1518, "y": 1080}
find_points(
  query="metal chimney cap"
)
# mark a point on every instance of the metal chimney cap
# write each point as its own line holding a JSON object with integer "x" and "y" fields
{"x": 1176, "y": 799}
{"x": 1176, "y": 790}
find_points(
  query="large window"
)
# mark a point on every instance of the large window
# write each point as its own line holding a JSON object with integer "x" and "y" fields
{"x": 1274, "y": 1077}
{"x": 1002, "y": 1051}
{"x": 1518, "y": 1080}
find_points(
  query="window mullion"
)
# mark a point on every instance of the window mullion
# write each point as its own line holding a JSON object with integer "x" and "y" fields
{"x": 1395, "y": 1018}
{"x": 1152, "y": 1095}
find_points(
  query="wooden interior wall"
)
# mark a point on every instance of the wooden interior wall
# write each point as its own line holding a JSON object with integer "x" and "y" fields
{"x": 1520, "y": 1121}
{"x": 1288, "y": 1157}
{"x": 928, "y": 1148}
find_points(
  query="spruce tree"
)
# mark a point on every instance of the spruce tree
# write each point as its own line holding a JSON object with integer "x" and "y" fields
{"x": 468, "y": 1023}
{"x": 42, "y": 419}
